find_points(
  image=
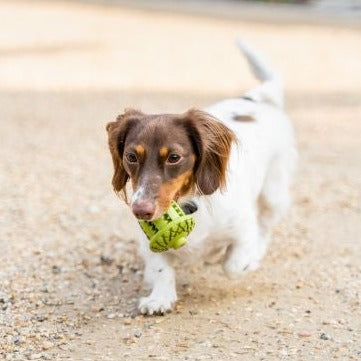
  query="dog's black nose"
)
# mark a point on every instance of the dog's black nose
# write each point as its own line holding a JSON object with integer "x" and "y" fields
{"x": 143, "y": 209}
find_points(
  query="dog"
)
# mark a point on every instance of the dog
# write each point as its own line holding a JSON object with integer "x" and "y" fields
{"x": 230, "y": 165}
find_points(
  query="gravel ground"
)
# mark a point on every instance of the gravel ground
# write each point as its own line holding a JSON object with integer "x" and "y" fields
{"x": 70, "y": 274}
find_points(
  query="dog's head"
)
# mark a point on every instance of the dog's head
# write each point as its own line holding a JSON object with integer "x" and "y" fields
{"x": 167, "y": 156}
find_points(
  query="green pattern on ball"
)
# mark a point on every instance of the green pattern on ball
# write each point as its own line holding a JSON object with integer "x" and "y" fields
{"x": 169, "y": 230}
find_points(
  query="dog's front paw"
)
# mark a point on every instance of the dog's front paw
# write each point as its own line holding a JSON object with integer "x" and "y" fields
{"x": 156, "y": 305}
{"x": 238, "y": 263}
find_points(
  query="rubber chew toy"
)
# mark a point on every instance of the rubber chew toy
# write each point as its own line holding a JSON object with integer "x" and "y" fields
{"x": 169, "y": 230}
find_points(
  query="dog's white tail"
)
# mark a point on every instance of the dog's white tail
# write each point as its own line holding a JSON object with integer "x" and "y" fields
{"x": 271, "y": 90}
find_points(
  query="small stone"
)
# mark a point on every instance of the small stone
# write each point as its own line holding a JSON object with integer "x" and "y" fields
{"x": 160, "y": 320}
{"x": 324, "y": 336}
{"x": 111, "y": 315}
{"x": 85, "y": 263}
{"x": 134, "y": 269}
{"x": 40, "y": 318}
{"x": 4, "y": 302}
{"x": 97, "y": 308}
{"x": 137, "y": 334}
{"x": 106, "y": 260}
{"x": 4, "y": 299}
{"x": 59, "y": 336}
{"x": 17, "y": 340}
{"x": 304, "y": 334}
{"x": 127, "y": 321}
{"x": 47, "y": 345}
{"x": 56, "y": 270}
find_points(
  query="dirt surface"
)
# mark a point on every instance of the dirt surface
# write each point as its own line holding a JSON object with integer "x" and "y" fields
{"x": 70, "y": 275}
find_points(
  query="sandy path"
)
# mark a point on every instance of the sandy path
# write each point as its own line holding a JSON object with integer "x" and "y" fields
{"x": 70, "y": 275}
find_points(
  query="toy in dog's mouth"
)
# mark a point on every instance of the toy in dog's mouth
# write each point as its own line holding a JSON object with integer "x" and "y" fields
{"x": 171, "y": 229}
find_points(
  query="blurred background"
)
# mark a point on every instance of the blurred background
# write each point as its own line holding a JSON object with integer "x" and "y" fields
{"x": 70, "y": 274}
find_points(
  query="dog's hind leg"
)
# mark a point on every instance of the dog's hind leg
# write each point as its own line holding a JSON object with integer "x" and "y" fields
{"x": 274, "y": 199}
{"x": 244, "y": 253}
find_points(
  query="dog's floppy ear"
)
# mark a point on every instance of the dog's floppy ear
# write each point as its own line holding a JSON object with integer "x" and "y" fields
{"x": 212, "y": 141}
{"x": 117, "y": 132}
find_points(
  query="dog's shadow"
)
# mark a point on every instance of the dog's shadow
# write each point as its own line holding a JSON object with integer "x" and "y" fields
{"x": 208, "y": 287}
{"x": 110, "y": 287}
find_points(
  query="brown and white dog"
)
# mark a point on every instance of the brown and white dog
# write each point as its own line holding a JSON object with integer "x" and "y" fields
{"x": 230, "y": 164}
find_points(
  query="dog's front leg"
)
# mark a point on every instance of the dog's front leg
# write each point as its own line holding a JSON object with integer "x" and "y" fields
{"x": 160, "y": 276}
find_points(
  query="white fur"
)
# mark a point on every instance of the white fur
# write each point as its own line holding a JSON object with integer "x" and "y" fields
{"x": 139, "y": 194}
{"x": 260, "y": 171}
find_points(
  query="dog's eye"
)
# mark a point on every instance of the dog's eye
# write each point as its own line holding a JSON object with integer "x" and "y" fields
{"x": 173, "y": 158}
{"x": 131, "y": 158}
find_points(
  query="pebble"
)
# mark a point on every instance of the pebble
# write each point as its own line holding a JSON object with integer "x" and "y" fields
{"x": 17, "y": 340}
{"x": 324, "y": 336}
{"x": 127, "y": 321}
{"x": 106, "y": 260}
{"x": 4, "y": 300}
{"x": 56, "y": 270}
{"x": 47, "y": 345}
{"x": 304, "y": 334}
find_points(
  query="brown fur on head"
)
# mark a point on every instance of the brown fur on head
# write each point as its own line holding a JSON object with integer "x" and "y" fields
{"x": 212, "y": 142}
{"x": 117, "y": 132}
{"x": 167, "y": 156}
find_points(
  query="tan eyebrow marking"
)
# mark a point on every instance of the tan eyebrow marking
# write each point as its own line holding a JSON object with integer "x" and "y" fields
{"x": 140, "y": 149}
{"x": 163, "y": 151}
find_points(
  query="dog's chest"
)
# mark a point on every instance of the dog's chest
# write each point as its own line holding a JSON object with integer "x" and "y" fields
{"x": 211, "y": 236}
